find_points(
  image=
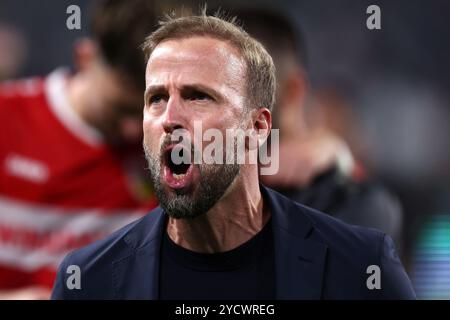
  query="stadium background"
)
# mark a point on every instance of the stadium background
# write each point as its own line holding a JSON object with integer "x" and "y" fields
{"x": 387, "y": 92}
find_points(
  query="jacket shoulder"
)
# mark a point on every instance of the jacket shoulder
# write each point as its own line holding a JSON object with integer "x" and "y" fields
{"x": 334, "y": 233}
{"x": 355, "y": 254}
{"x": 95, "y": 261}
{"x": 338, "y": 234}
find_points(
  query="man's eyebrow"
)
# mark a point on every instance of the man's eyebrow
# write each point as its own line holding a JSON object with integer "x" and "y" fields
{"x": 152, "y": 89}
{"x": 202, "y": 88}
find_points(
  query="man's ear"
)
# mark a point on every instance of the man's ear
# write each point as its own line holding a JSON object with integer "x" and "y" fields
{"x": 262, "y": 124}
{"x": 85, "y": 52}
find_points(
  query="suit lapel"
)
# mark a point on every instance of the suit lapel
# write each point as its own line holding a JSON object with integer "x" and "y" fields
{"x": 299, "y": 266}
{"x": 299, "y": 258}
{"x": 136, "y": 275}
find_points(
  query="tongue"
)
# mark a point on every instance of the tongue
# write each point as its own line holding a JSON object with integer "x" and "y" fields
{"x": 178, "y": 176}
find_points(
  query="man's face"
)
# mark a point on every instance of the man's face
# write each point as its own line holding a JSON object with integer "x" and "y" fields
{"x": 194, "y": 79}
{"x": 115, "y": 105}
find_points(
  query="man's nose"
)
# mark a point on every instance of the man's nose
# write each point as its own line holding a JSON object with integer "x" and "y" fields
{"x": 173, "y": 117}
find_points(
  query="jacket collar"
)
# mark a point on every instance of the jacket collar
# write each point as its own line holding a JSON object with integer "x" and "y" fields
{"x": 136, "y": 276}
{"x": 299, "y": 258}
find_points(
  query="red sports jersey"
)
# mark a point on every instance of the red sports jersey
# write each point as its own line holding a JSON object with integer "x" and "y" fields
{"x": 61, "y": 187}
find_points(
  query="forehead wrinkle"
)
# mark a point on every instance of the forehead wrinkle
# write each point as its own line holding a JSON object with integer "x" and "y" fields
{"x": 168, "y": 54}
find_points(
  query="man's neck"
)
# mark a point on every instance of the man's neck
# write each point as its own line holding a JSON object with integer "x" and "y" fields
{"x": 232, "y": 221}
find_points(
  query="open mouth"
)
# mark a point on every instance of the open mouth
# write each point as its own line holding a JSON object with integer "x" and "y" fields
{"x": 177, "y": 173}
{"x": 178, "y": 169}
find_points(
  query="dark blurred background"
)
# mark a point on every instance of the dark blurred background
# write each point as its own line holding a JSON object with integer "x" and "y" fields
{"x": 386, "y": 92}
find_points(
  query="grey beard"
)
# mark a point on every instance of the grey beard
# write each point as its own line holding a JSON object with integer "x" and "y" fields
{"x": 215, "y": 179}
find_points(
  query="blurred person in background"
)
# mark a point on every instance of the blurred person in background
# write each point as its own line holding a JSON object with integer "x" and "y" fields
{"x": 317, "y": 167}
{"x": 408, "y": 120}
{"x": 72, "y": 169}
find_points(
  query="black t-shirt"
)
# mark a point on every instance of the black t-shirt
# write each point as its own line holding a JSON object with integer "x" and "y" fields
{"x": 246, "y": 272}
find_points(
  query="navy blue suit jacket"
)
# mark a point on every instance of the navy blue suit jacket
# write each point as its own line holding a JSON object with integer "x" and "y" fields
{"x": 316, "y": 257}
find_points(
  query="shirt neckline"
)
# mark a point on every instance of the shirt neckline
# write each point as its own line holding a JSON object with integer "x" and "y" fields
{"x": 239, "y": 257}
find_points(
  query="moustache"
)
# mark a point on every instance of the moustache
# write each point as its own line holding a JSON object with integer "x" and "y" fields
{"x": 173, "y": 144}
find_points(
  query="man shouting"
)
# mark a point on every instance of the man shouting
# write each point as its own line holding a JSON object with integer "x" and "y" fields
{"x": 219, "y": 233}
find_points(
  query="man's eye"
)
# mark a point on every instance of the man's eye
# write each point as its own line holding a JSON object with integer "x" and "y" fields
{"x": 197, "y": 95}
{"x": 157, "y": 98}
